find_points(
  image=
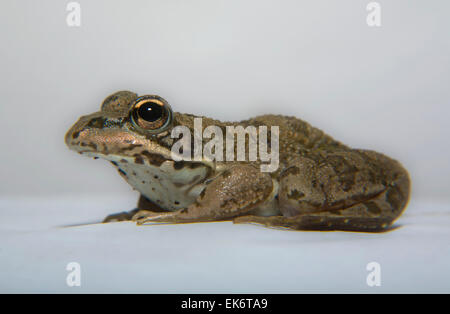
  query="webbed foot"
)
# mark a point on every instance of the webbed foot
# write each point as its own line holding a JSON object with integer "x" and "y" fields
{"x": 122, "y": 216}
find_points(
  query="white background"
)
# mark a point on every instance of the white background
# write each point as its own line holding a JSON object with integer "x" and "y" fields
{"x": 382, "y": 88}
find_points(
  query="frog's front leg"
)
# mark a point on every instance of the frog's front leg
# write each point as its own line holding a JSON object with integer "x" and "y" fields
{"x": 144, "y": 206}
{"x": 235, "y": 191}
{"x": 344, "y": 190}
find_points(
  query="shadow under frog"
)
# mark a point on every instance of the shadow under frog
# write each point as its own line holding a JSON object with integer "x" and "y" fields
{"x": 320, "y": 184}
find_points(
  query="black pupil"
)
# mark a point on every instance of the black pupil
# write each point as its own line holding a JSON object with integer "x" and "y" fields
{"x": 150, "y": 111}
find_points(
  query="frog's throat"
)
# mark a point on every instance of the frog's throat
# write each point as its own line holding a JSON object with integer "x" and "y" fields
{"x": 145, "y": 158}
{"x": 149, "y": 159}
{"x": 172, "y": 185}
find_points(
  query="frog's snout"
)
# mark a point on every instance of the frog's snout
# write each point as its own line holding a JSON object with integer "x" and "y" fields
{"x": 78, "y": 133}
{"x": 100, "y": 133}
{"x": 72, "y": 134}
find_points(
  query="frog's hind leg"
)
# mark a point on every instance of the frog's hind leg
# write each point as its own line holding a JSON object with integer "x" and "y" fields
{"x": 373, "y": 215}
{"x": 323, "y": 221}
{"x": 349, "y": 190}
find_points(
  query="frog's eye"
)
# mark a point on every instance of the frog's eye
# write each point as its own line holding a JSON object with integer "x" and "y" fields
{"x": 151, "y": 113}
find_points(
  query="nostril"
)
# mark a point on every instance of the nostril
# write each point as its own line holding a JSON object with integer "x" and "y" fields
{"x": 75, "y": 134}
{"x": 96, "y": 123}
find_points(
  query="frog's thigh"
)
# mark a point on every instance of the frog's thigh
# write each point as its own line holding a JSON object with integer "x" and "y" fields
{"x": 235, "y": 191}
{"x": 354, "y": 190}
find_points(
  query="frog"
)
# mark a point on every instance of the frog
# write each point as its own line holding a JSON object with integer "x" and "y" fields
{"x": 320, "y": 184}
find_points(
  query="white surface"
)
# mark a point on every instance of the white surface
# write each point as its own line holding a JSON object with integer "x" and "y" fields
{"x": 213, "y": 257}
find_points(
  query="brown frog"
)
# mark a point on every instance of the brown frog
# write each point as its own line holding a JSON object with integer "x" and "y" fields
{"x": 319, "y": 184}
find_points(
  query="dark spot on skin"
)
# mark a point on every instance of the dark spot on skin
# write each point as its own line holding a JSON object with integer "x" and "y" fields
{"x": 373, "y": 208}
{"x": 394, "y": 198}
{"x": 294, "y": 170}
{"x": 163, "y": 141}
{"x": 75, "y": 134}
{"x": 96, "y": 123}
{"x": 363, "y": 197}
{"x": 156, "y": 177}
{"x": 143, "y": 182}
{"x": 295, "y": 194}
{"x": 154, "y": 159}
{"x": 179, "y": 165}
{"x": 347, "y": 181}
{"x": 134, "y": 173}
{"x": 138, "y": 159}
{"x": 130, "y": 147}
{"x": 177, "y": 203}
{"x": 310, "y": 204}
{"x": 153, "y": 189}
{"x": 343, "y": 203}
{"x": 345, "y": 171}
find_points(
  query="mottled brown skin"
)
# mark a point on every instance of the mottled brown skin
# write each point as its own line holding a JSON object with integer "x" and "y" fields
{"x": 320, "y": 183}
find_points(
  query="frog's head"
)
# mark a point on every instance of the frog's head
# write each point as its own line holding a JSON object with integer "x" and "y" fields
{"x": 127, "y": 128}
{"x": 134, "y": 134}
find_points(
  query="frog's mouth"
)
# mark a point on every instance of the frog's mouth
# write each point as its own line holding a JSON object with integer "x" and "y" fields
{"x": 114, "y": 143}
{"x": 129, "y": 153}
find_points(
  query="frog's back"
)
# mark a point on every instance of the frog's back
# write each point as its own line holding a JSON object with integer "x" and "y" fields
{"x": 296, "y": 135}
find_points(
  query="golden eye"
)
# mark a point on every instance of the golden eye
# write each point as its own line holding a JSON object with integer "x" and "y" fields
{"x": 151, "y": 113}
